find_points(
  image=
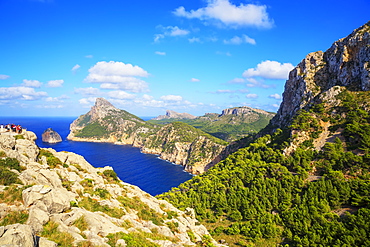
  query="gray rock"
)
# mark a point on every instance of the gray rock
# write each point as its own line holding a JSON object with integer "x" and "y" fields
{"x": 43, "y": 242}
{"x": 51, "y": 136}
{"x": 17, "y": 235}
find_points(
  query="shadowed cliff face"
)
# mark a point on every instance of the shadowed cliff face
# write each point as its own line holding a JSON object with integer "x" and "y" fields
{"x": 346, "y": 63}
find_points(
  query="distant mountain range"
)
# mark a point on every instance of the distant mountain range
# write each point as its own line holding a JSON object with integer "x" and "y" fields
{"x": 232, "y": 124}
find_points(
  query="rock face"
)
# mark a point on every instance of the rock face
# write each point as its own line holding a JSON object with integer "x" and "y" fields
{"x": 244, "y": 110}
{"x": 51, "y": 136}
{"x": 194, "y": 149}
{"x": 90, "y": 206}
{"x": 172, "y": 114}
{"x": 345, "y": 64}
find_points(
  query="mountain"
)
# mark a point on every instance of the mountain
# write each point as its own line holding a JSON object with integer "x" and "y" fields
{"x": 305, "y": 179}
{"x": 232, "y": 124}
{"x": 50, "y": 198}
{"x": 176, "y": 142}
{"x": 174, "y": 115}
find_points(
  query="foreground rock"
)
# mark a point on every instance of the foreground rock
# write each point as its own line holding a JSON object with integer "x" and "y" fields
{"x": 51, "y": 136}
{"x": 86, "y": 205}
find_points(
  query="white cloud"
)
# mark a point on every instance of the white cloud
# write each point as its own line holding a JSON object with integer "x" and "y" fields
{"x": 275, "y": 96}
{"x": 22, "y": 93}
{"x": 275, "y": 105}
{"x": 171, "y": 98}
{"x": 88, "y": 91}
{"x": 172, "y": 31}
{"x": 50, "y": 106}
{"x": 75, "y": 68}
{"x": 89, "y": 56}
{"x": 4, "y": 77}
{"x": 57, "y": 99}
{"x": 194, "y": 80}
{"x": 194, "y": 40}
{"x": 237, "y": 81}
{"x": 118, "y": 75}
{"x": 222, "y": 11}
{"x": 119, "y": 94}
{"x": 236, "y": 40}
{"x": 270, "y": 70}
{"x": 161, "y": 53}
{"x": 31, "y": 83}
{"x": 55, "y": 83}
{"x": 252, "y": 96}
{"x": 223, "y": 53}
{"x": 86, "y": 102}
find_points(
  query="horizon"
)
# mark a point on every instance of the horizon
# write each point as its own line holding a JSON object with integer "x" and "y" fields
{"x": 147, "y": 57}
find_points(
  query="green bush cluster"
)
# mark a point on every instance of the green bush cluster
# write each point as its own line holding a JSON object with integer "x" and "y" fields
{"x": 7, "y": 177}
{"x": 50, "y": 158}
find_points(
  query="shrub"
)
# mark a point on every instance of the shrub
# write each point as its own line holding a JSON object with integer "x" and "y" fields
{"x": 110, "y": 175}
{"x": 52, "y": 233}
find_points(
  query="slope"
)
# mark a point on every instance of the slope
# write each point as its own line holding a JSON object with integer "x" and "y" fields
{"x": 305, "y": 181}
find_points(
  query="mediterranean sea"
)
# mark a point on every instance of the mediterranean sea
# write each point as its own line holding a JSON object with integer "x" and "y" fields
{"x": 146, "y": 171}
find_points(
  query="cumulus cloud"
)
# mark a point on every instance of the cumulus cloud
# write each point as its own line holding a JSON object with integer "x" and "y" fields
{"x": 228, "y": 91}
{"x": 275, "y": 105}
{"x": 252, "y": 96}
{"x": 161, "y": 53}
{"x": 75, "y": 68}
{"x": 86, "y": 102}
{"x": 275, "y": 96}
{"x": 55, "y": 83}
{"x": 22, "y": 93}
{"x": 171, "y": 98}
{"x": 236, "y": 40}
{"x": 170, "y": 31}
{"x": 88, "y": 91}
{"x": 226, "y": 13}
{"x": 237, "y": 81}
{"x": 194, "y": 80}
{"x": 57, "y": 99}
{"x": 270, "y": 70}
{"x": 31, "y": 83}
{"x": 118, "y": 75}
{"x": 119, "y": 94}
{"x": 4, "y": 77}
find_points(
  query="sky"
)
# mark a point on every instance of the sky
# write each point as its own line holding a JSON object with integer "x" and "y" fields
{"x": 145, "y": 56}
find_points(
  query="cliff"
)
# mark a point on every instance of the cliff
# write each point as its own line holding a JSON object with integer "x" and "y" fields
{"x": 50, "y": 198}
{"x": 176, "y": 142}
{"x": 174, "y": 115}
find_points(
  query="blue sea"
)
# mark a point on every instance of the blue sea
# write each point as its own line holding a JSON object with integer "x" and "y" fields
{"x": 147, "y": 171}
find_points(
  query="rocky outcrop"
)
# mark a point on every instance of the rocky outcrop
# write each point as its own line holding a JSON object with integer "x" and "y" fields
{"x": 172, "y": 114}
{"x": 345, "y": 64}
{"x": 88, "y": 205}
{"x": 51, "y": 136}
{"x": 176, "y": 142}
{"x": 244, "y": 110}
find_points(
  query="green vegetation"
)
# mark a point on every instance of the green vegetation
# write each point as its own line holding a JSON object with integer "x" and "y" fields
{"x": 8, "y": 177}
{"x": 227, "y": 127}
{"x": 52, "y": 233}
{"x": 260, "y": 197}
{"x": 94, "y": 206}
{"x": 14, "y": 217}
{"x": 133, "y": 239}
{"x": 93, "y": 130}
{"x": 50, "y": 158}
{"x": 12, "y": 194}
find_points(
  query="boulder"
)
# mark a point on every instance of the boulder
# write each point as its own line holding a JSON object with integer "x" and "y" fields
{"x": 17, "y": 235}
{"x": 51, "y": 136}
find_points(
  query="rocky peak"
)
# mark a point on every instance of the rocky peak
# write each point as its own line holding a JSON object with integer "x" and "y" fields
{"x": 51, "y": 136}
{"x": 241, "y": 110}
{"x": 173, "y": 114}
{"x": 346, "y": 63}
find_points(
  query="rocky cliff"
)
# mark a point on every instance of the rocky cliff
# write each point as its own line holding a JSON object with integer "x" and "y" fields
{"x": 50, "y": 198}
{"x": 172, "y": 114}
{"x": 51, "y": 136}
{"x": 176, "y": 142}
{"x": 319, "y": 76}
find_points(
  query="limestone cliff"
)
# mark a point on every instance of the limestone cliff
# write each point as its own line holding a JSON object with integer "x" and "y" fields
{"x": 176, "y": 142}
{"x": 319, "y": 88}
{"x": 345, "y": 64}
{"x": 50, "y": 198}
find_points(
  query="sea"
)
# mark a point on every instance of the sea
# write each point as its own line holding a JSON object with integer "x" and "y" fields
{"x": 147, "y": 171}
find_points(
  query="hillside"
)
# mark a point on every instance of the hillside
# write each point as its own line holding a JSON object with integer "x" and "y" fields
{"x": 232, "y": 124}
{"x": 305, "y": 181}
{"x": 176, "y": 142}
{"x": 50, "y": 199}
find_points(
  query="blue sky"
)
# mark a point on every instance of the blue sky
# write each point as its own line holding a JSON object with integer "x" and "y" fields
{"x": 58, "y": 56}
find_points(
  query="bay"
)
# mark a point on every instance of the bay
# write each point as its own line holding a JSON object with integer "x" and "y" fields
{"x": 146, "y": 171}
